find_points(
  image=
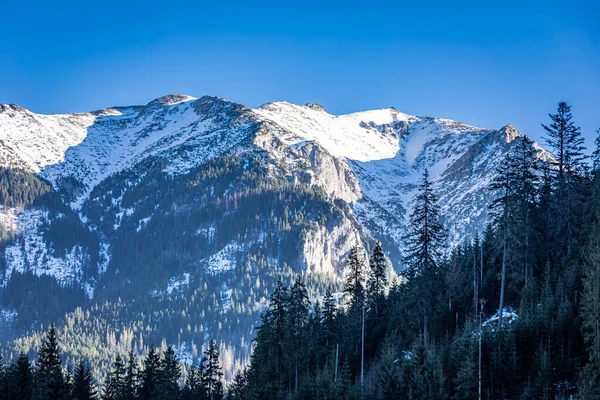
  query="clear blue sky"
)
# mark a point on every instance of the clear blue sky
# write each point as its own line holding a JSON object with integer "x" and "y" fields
{"x": 486, "y": 63}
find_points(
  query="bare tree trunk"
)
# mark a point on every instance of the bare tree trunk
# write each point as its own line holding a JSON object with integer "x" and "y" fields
{"x": 337, "y": 350}
{"x": 503, "y": 284}
{"x": 362, "y": 352}
{"x": 425, "y": 329}
{"x": 480, "y": 339}
{"x": 475, "y": 285}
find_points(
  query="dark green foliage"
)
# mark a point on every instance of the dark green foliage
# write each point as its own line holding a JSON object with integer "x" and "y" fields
{"x": 20, "y": 379}
{"x": 84, "y": 387}
{"x": 194, "y": 387}
{"x": 212, "y": 375}
{"x": 170, "y": 373}
{"x": 532, "y": 262}
{"x": 50, "y": 380}
{"x": 20, "y": 188}
{"x": 114, "y": 388}
{"x": 150, "y": 375}
{"x": 161, "y": 377}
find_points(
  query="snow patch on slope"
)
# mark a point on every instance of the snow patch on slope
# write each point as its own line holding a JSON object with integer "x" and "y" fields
{"x": 30, "y": 253}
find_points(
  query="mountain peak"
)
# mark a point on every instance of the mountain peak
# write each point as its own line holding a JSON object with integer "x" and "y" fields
{"x": 8, "y": 107}
{"x": 509, "y": 133}
{"x": 170, "y": 100}
{"x": 314, "y": 106}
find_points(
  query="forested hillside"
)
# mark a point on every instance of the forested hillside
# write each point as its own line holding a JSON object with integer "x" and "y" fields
{"x": 173, "y": 224}
{"x": 160, "y": 375}
{"x": 513, "y": 313}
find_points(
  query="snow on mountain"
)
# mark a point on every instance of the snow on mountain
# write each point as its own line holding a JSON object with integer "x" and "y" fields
{"x": 371, "y": 160}
{"x": 388, "y": 152}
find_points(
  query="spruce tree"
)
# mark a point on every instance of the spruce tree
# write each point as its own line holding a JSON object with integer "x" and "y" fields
{"x": 150, "y": 375}
{"x": 503, "y": 210}
{"x": 194, "y": 387}
{"x": 114, "y": 388}
{"x": 131, "y": 378}
{"x": 213, "y": 375}
{"x": 20, "y": 379}
{"x": 377, "y": 281}
{"x": 424, "y": 249}
{"x": 566, "y": 143}
{"x": 170, "y": 373}
{"x": 589, "y": 380}
{"x": 596, "y": 153}
{"x": 355, "y": 278}
{"x": 50, "y": 380}
{"x": 84, "y": 387}
{"x": 298, "y": 318}
{"x": 329, "y": 317}
{"x": 389, "y": 371}
{"x": 237, "y": 388}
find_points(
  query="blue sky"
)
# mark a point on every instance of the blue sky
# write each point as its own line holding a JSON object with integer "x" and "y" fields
{"x": 483, "y": 63}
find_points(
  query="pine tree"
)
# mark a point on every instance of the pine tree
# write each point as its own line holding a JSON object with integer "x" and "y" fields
{"x": 150, "y": 375}
{"x": 589, "y": 380}
{"x": 298, "y": 314}
{"x": 355, "y": 278}
{"x": 564, "y": 138}
{"x": 596, "y": 153}
{"x": 114, "y": 387}
{"x": 193, "y": 388}
{"x": 504, "y": 209}
{"x": 84, "y": 387}
{"x": 237, "y": 388}
{"x": 424, "y": 247}
{"x": 377, "y": 282}
{"x": 170, "y": 373}
{"x": 213, "y": 375}
{"x": 20, "y": 379}
{"x": 131, "y": 378}
{"x": 389, "y": 374}
{"x": 50, "y": 380}
{"x": 329, "y": 317}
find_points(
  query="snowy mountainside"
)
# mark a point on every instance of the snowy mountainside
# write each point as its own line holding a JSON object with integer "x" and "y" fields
{"x": 388, "y": 152}
{"x": 206, "y": 199}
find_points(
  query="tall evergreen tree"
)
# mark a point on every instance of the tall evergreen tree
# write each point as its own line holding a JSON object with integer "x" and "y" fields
{"x": 377, "y": 281}
{"x": 20, "y": 379}
{"x": 355, "y": 278}
{"x": 114, "y": 387}
{"x": 170, "y": 373}
{"x": 131, "y": 378}
{"x": 84, "y": 387}
{"x": 589, "y": 380}
{"x": 50, "y": 380}
{"x": 194, "y": 388}
{"x": 299, "y": 307}
{"x": 564, "y": 138}
{"x": 596, "y": 153}
{"x": 504, "y": 209}
{"x": 150, "y": 375}
{"x": 424, "y": 248}
{"x": 213, "y": 374}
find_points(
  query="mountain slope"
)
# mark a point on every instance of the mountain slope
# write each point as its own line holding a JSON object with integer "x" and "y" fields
{"x": 203, "y": 204}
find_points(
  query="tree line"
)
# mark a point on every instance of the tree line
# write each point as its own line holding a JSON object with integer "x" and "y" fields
{"x": 512, "y": 313}
{"x": 159, "y": 376}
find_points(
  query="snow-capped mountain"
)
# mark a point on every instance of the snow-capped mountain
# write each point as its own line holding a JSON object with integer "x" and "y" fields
{"x": 158, "y": 199}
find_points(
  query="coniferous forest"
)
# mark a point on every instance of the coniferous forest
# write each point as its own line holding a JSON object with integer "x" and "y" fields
{"x": 157, "y": 376}
{"x": 513, "y": 313}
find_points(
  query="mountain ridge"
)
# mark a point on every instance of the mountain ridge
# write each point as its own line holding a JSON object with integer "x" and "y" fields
{"x": 207, "y": 203}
